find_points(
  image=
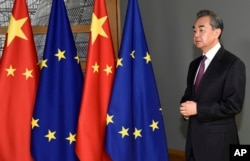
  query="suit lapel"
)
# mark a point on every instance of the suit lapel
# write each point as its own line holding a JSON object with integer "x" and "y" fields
{"x": 213, "y": 66}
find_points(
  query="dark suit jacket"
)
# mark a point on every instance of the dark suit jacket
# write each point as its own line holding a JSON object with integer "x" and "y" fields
{"x": 219, "y": 98}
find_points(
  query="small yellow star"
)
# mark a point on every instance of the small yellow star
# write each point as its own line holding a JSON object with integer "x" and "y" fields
{"x": 124, "y": 132}
{"x": 137, "y": 133}
{"x": 15, "y": 29}
{"x": 77, "y": 59}
{"x": 132, "y": 54}
{"x": 95, "y": 68}
{"x": 10, "y": 71}
{"x": 60, "y": 54}
{"x": 50, "y": 135}
{"x": 34, "y": 122}
{"x": 28, "y": 73}
{"x": 154, "y": 125}
{"x": 108, "y": 69}
{"x": 119, "y": 62}
{"x": 96, "y": 27}
{"x": 147, "y": 58}
{"x": 109, "y": 119}
{"x": 43, "y": 64}
{"x": 71, "y": 138}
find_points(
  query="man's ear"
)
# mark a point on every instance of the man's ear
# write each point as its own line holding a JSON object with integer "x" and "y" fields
{"x": 217, "y": 32}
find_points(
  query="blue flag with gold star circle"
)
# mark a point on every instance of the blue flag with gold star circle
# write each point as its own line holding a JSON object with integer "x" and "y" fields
{"x": 58, "y": 99}
{"x": 135, "y": 129}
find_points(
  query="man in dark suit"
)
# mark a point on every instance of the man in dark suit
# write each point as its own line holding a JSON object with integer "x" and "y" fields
{"x": 211, "y": 107}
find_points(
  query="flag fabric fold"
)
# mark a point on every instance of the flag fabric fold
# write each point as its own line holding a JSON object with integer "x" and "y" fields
{"x": 135, "y": 127}
{"x": 100, "y": 69}
{"x": 59, "y": 93}
{"x": 19, "y": 74}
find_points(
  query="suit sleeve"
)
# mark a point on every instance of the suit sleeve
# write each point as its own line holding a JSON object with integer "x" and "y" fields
{"x": 188, "y": 91}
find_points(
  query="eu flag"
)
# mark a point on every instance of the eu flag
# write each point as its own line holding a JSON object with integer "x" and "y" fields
{"x": 58, "y": 99}
{"x": 135, "y": 129}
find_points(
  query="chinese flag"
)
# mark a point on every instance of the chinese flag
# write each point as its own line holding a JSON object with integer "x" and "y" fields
{"x": 18, "y": 84}
{"x": 98, "y": 82}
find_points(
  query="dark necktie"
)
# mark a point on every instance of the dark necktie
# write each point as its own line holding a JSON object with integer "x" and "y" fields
{"x": 200, "y": 73}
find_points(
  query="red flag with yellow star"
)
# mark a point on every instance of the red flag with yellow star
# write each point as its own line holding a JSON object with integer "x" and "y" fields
{"x": 18, "y": 85}
{"x": 98, "y": 82}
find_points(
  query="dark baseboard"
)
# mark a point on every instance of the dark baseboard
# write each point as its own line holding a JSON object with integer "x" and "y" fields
{"x": 176, "y": 155}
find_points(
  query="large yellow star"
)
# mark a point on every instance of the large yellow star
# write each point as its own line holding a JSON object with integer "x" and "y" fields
{"x": 28, "y": 73}
{"x": 60, "y": 54}
{"x": 15, "y": 29}
{"x": 50, "y": 135}
{"x": 10, "y": 71}
{"x": 124, "y": 132}
{"x": 71, "y": 138}
{"x": 96, "y": 27}
{"x": 34, "y": 122}
{"x": 154, "y": 125}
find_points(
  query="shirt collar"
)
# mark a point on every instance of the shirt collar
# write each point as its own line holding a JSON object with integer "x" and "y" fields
{"x": 211, "y": 53}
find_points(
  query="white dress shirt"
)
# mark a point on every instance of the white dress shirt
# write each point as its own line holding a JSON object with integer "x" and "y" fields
{"x": 210, "y": 55}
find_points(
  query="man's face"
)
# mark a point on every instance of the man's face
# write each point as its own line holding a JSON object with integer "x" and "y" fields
{"x": 205, "y": 37}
